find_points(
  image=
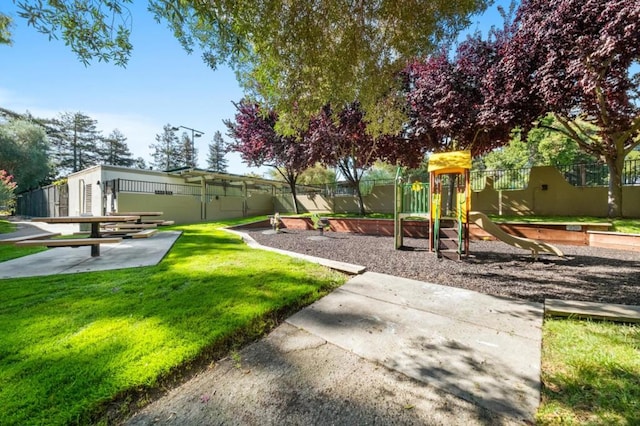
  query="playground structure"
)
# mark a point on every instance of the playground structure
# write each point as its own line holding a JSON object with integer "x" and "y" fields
{"x": 448, "y": 229}
{"x": 481, "y": 220}
{"x": 449, "y": 214}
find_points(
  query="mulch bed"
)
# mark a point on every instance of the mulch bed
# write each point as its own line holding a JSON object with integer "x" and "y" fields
{"x": 493, "y": 267}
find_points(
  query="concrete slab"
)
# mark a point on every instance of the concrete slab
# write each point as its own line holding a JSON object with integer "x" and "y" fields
{"x": 70, "y": 260}
{"x": 292, "y": 377}
{"x": 24, "y": 228}
{"x": 602, "y": 311}
{"x": 482, "y": 348}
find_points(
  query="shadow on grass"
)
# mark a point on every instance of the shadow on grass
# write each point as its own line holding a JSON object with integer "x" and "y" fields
{"x": 86, "y": 347}
{"x": 597, "y": 382}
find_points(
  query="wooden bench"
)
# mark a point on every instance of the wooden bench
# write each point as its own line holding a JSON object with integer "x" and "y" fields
{"x": 125, "y": 233}
{"x": 29, "y": 237}
{"x": 143, "y": 234}
{"x": 68, "y": 242}
{"x": 139, "y": 226}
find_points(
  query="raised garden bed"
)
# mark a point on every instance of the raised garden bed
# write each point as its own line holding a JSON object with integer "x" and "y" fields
{"x": 567, "y": 233}
{"x": 614, "y": 240}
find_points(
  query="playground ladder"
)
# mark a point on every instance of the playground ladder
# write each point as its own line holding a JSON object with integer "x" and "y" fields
{"x": 449, "y": 241}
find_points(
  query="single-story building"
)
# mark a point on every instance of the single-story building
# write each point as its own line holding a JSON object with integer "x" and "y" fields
{"x": 185, "y": 195}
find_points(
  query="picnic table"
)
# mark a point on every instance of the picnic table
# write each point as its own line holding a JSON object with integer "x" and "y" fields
{"x": 139, "y": 214}
{"x": 95, "y": 238}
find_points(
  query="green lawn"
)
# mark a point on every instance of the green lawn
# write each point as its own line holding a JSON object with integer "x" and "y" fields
{"x": 590, "y": 373}
{"x": 71, "y": 344}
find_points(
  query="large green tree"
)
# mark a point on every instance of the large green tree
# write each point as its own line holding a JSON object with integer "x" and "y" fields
{"x": 91, "y": 28}
{"x": 114, "y": 150}
{"x": 217, "y": 151}
{"x": 540, "y": 147}
{"x": 187, "y": 154}
{"x": 297, "y": 55}
{"x": 24, "y": 153}
{"x": 75, "y": 142}
{"x": 166, "y": 151}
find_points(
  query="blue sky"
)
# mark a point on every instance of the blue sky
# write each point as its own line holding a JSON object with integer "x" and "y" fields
{"x": 161, "y": 84}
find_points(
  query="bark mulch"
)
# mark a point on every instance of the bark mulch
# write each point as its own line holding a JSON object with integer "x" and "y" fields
{"x": 493, "y": 267}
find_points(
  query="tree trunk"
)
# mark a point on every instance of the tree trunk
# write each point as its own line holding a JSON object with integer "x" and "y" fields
{"x": 360, "y": 199}
{"x": 292, "y": 186}
{"x": 614, "y": 193}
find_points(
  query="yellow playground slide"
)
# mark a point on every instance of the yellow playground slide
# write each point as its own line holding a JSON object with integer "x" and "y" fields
{"x": 481, "y": 220}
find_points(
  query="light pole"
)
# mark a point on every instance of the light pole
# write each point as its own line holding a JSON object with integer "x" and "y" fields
{"x": 194, "y": 134}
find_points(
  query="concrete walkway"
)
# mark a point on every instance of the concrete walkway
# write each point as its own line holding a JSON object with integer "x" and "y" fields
{"x": 482, "y": 348}
{"x": 130, "y": 253}
{"x": 379, "y": 350}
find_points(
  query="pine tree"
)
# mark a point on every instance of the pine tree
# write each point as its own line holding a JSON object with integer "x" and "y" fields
{"x": 139, "y": 163}
{"x": 114, "y": 150}
{"x": 74, "y": 142}
{"x": 187, "y": 153}
{"x": 217, "y": 150}
{"x": 166, "y": 150}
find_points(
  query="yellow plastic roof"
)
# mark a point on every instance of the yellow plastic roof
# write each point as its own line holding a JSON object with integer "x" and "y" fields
{"x": 444, "y": 161}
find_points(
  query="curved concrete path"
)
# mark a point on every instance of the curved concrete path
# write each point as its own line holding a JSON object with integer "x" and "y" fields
{"x": 378, "y": 350}
{"x": 482, "y": 348}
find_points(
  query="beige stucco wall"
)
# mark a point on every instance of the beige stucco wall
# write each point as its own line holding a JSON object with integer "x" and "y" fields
{"x": 77, "y": 192}
{"x": 181, "y": 209}
{"x": 314, "y": 203}
{"x": 559, "y": 198}
{"x": 307, "y": 203}
{"x": 380, "y": 200}
{"x": 233, "y": 207}
{"x": 259, "y": 204}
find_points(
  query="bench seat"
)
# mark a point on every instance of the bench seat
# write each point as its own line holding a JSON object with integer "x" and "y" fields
{"x": 68, "y": 242}
{"x": 143, "y": 234}
{"x": 128, "y": 225}
{"x": 30, "y": 237}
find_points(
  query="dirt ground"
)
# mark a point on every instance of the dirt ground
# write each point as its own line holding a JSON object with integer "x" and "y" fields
{"x": 492, "y": 267}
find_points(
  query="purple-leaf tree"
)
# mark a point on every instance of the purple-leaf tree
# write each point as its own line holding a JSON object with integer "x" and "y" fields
{"x": 260, "y": 145}
{"x": 342, "y": 141}
{"x": 445, "y": 99}
{"x": 578, "y": 59}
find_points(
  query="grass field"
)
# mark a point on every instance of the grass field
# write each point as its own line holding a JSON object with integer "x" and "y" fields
{"x": 590, "y": 373}
{"x": 72, "y": 345}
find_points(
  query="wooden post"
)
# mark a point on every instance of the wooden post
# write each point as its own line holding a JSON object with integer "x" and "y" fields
{"x": 397, "y": 210}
